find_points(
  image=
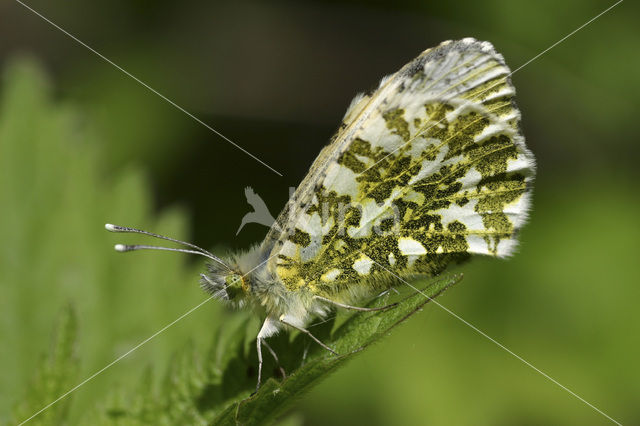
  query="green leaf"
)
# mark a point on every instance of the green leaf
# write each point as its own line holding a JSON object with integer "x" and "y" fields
{"x": 55, "y": 196}
{"x": 56, "y": 375}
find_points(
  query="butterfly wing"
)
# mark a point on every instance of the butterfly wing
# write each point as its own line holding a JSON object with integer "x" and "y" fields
{"x": 429, "y": 168}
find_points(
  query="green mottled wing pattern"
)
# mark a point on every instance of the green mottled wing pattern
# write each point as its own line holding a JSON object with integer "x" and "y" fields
{"x": 428, "y": 169}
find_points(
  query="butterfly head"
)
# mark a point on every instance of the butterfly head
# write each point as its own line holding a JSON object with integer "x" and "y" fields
{"x": 224, "y": 283}
{"x": 236, "y": 286}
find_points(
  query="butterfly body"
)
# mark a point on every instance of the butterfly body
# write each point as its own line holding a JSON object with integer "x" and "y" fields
{"x": 248, "y": 282}
{"x": 426, "y": 170}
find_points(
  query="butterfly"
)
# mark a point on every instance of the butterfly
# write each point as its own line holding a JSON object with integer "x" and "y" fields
{"x": 427, "y": 169}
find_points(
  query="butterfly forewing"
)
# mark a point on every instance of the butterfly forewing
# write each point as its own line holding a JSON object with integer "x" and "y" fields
{"x": 429, "y": 168}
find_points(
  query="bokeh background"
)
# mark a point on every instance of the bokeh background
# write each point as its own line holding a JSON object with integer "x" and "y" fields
{"x": 82, "y": 144}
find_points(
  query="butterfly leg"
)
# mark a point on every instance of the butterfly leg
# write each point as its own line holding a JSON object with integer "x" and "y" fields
{"x": 356, "y": 308}
{"x": 308, "y": 333}
{"x": 275, "y": 356}
{"x": 259, "y": 347}
{"x": 269, "y": 328}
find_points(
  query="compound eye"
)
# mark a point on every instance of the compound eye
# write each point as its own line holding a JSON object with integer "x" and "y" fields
{"x": 233, "y": 280}
{"x": 235, "y": 285}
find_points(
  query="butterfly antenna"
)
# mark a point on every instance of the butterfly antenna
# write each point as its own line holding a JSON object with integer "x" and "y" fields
{"x": 126, "y": 247}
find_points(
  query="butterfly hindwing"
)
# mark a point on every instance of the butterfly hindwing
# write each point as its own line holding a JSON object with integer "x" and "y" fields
{"x": 429, "y": 168}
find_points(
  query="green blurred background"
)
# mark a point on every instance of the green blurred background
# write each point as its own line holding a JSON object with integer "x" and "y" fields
{"x": 82, "y": 144}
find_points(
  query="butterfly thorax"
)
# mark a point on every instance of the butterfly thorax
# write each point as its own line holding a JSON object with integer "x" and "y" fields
{"x": 246, "y": 280}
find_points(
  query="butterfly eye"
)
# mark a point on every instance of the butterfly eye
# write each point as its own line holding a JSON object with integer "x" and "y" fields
{"x": 235, "y": 285}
